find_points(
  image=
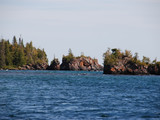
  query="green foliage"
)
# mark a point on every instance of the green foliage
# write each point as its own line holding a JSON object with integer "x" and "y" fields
{"x": 15, "y": 41}
{"x": 128, "y": 53}
{"x": 135, "y": 57}
{"x": 21, "y": 57}
{"x": 8, "y": 55}
{"x": 14, "y": 55}
{"x": 55, "y": 60}
{"x": 2, "y": 53}
{"x": 116, "y": 53}
{"x": 146, "y": 60}
{"x": 154, "y": 61}
{"x": 69, "y": 57}
{"x": 112, "y": 56}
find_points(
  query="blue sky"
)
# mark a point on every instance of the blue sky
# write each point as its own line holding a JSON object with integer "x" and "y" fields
{"x": 89, "y": 26}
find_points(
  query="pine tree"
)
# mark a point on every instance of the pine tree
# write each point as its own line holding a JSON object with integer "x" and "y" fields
{"x": 21, "y": 57}
{"x": 16, "y": 54}
{"x": 28, "y": 54}
{"x": 16, "y": 57}
{"x": 21, "y": 42}
{"x": 8, "y": 56}
{"x": 2, "y": 53}
{"x": 14, "y": 41}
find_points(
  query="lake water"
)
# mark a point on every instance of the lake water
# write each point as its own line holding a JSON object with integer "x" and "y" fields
{"x": 77, "y": 95}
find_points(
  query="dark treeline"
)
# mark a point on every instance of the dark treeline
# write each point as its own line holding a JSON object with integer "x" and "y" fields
{"x": 17, "y": 54}
{"x": 71, "y": 56}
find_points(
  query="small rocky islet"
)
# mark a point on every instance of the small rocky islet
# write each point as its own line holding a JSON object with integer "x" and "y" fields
{"x": 118, "y": 62}
{"x": 79, "y": 63}
{"x": 17, "y": 56}
{"x": 70, "y": 62}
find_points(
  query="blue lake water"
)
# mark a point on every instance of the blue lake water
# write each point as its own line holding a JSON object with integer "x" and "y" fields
{"x": 77, "y": 95}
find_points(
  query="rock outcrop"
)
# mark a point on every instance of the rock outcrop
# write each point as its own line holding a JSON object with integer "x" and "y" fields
{"x": 118, "y": 62}
{"x": 81, "y": 63}
{"x": 42, "y": 66}
{"x": 126, "y": 66}
{"x": 55, "y": 65}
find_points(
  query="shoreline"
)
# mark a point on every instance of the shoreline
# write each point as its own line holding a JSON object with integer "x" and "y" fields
{"x": 82, "y": 71}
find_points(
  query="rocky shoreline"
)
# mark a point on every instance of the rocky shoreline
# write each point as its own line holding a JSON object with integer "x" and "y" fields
{"x": 76, "y": 64}
{"x": 17, "y": 56}
{"x": 138, "y": 70}
{"x": 123, "y": 66}
{"x": 117, "y": 62}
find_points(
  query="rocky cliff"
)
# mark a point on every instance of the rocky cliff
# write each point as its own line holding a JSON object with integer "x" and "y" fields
{"x": 126, "y": 66}
{"x": 81, "y": 63}
{"x": 118, "y": 62}
{"x": 42, "y": 66}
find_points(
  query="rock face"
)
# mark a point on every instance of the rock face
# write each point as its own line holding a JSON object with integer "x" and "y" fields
{"x": 42, "y": 66}
{"x": 55, "y": 65}
{"x": 125, "y": 66}
{"x": 81, "y": 63}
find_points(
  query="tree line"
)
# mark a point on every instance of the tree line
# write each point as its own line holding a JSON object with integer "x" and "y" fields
{"x": 15, "y": 54}
{"x": 111, "y": 56}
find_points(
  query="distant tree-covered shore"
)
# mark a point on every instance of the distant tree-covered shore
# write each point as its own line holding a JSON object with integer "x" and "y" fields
{"x": 16, "y": 54}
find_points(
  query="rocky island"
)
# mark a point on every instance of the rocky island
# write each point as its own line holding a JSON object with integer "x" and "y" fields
{"x": 70, "y": 62}
{"x": 117, "y": 62}
{"x": 17, "y": 56}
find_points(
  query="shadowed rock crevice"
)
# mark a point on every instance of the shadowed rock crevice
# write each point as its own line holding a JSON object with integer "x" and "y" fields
{"x": 55, "y": 65}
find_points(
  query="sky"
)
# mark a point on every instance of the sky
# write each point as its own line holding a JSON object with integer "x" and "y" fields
{"x": 88, "y": 26}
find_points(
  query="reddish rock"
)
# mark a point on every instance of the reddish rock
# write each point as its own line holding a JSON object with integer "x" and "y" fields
{"x": 37, "y": 66}
{"x": 81, "y": 63}
{"x": 125, "y": 66}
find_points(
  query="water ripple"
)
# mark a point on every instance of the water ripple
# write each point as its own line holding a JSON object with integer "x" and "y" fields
{"x": 45, "y": 95}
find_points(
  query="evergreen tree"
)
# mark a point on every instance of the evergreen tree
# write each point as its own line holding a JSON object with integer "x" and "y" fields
{"x": 2, "y": 53}
{"x": 28, "y": 53}
{"x": 136, "y": 56}
{"x": 70, "y": 53}
{"x": 14, "y": 41}
{"x": 145, "y": 60}
{"x": 8, "y": 56}
{"x": 69, "y": 57}
{"x": 21, "y": 42}
{"x": 21, "y": 57}
{"x": 15, "y": 55}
